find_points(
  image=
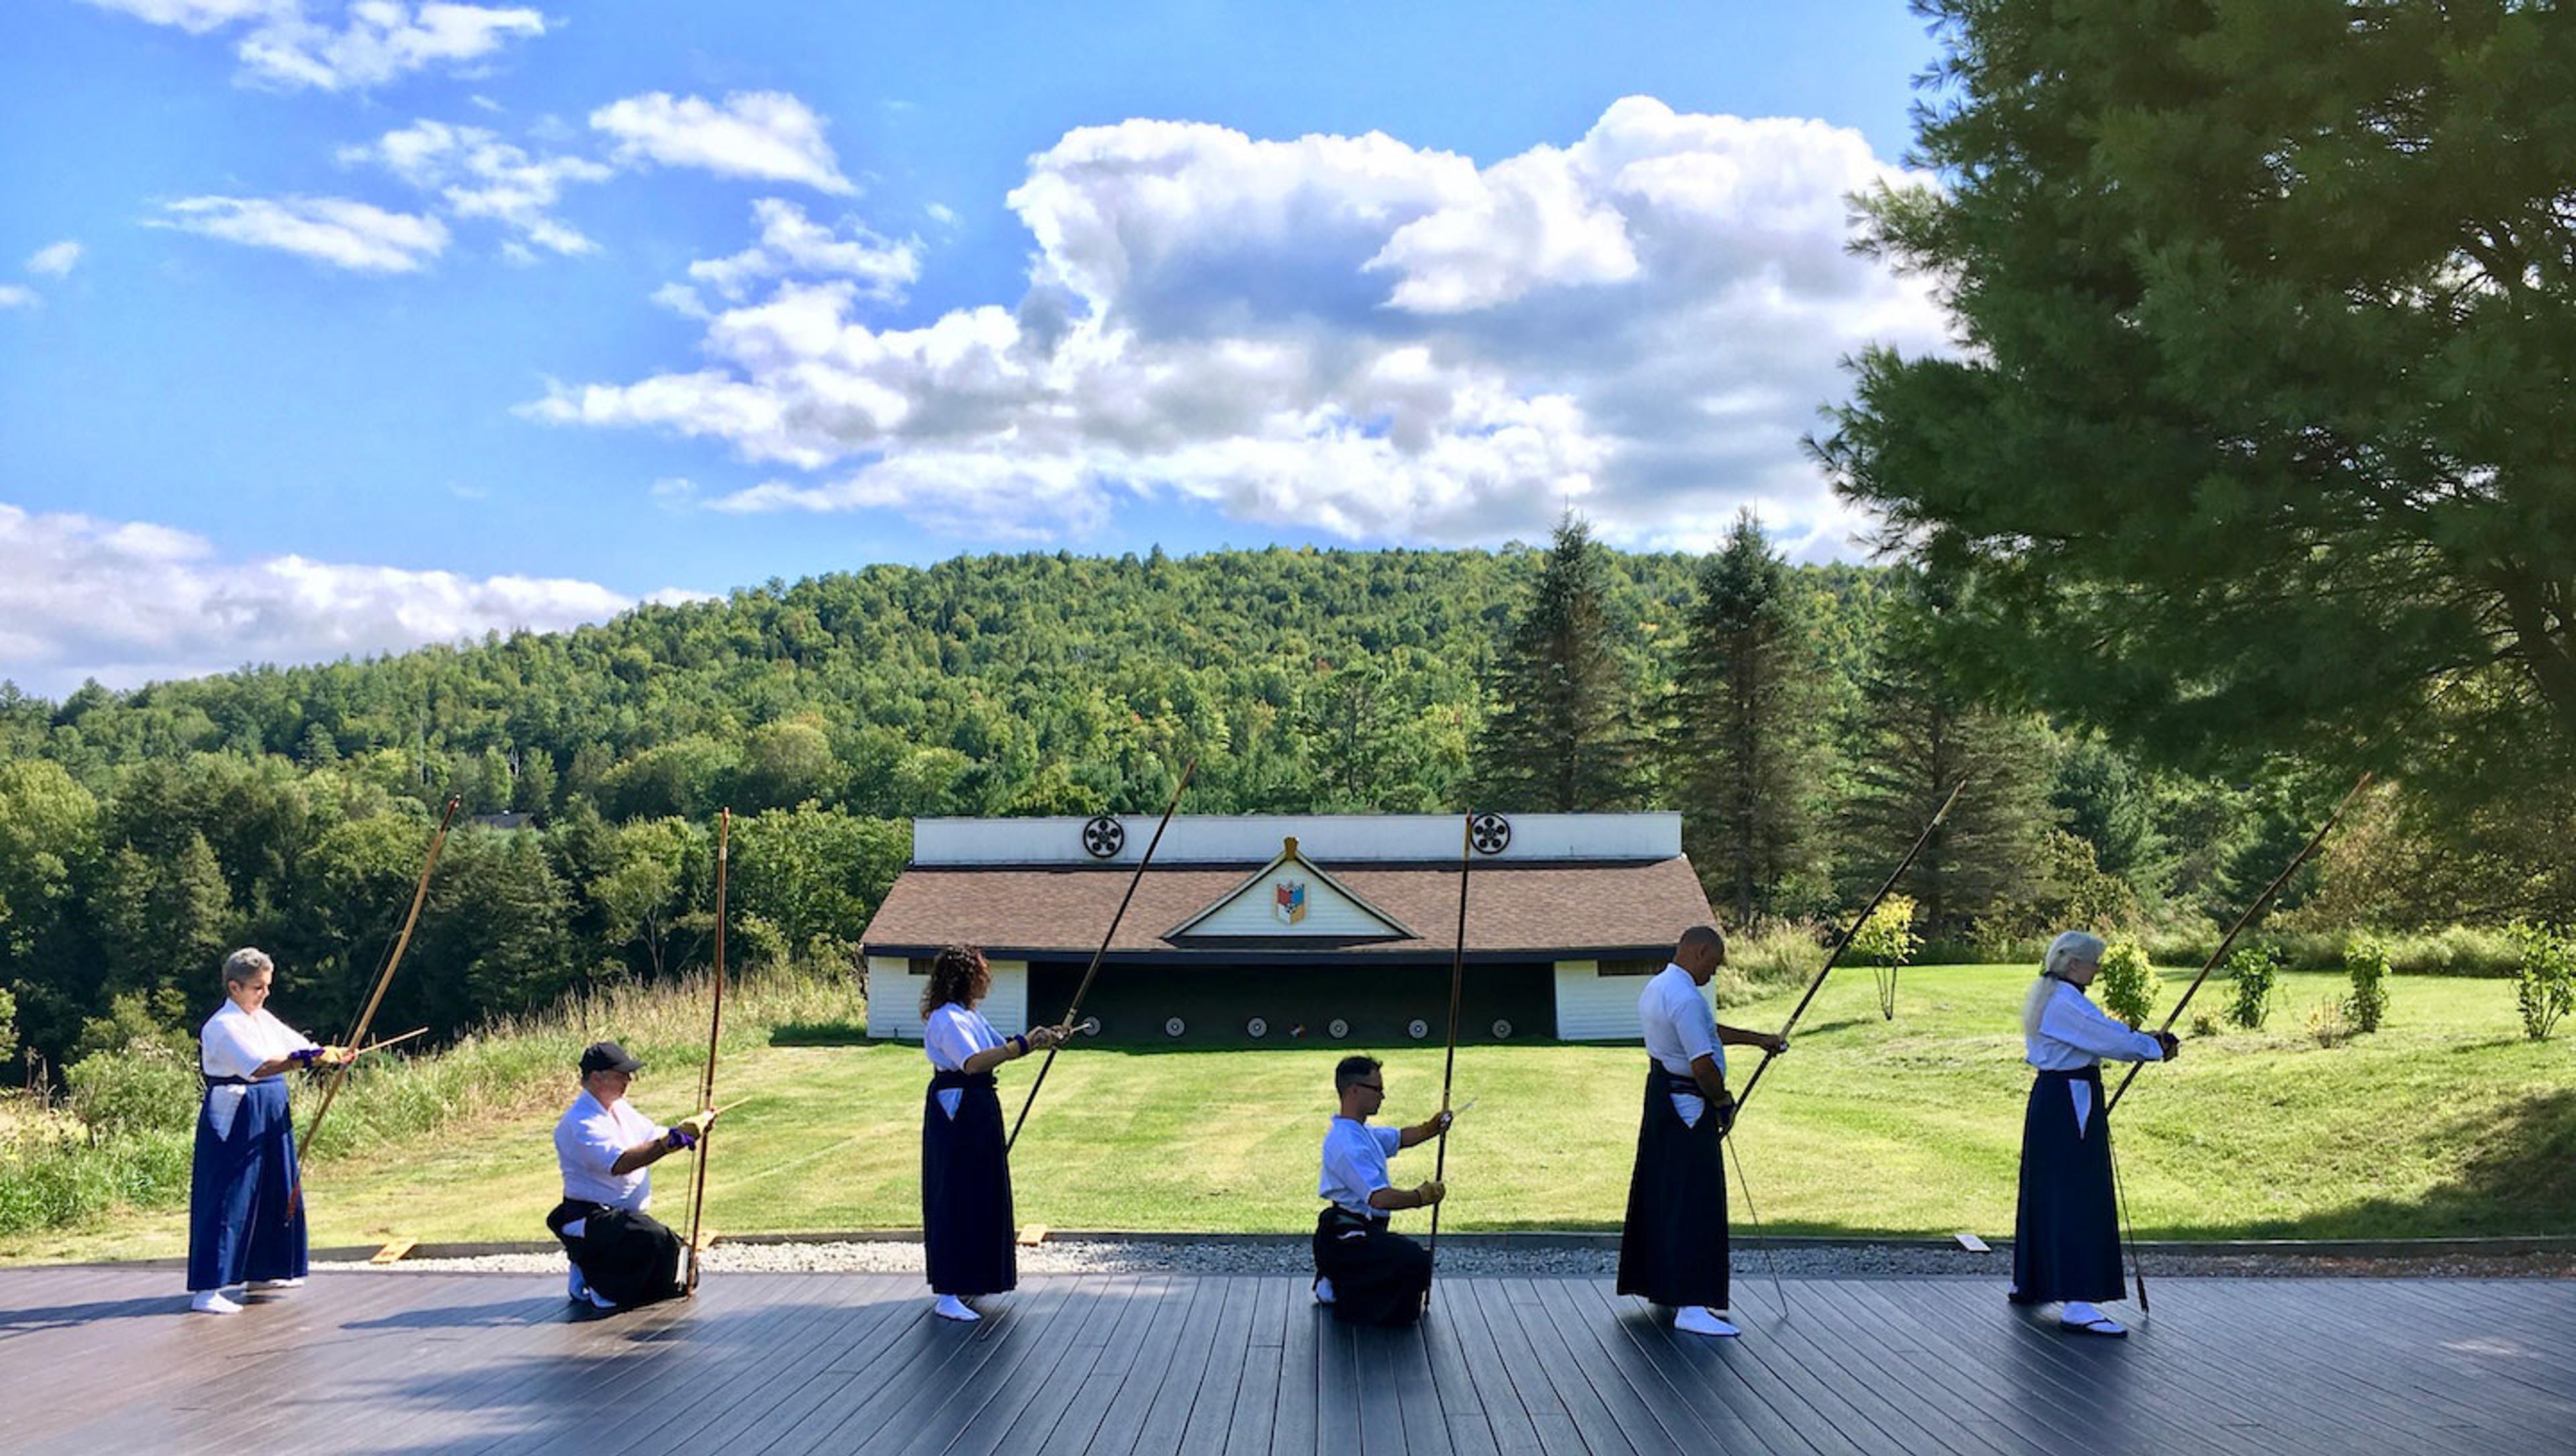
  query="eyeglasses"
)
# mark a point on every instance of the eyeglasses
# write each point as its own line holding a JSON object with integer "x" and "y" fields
{"x": 1371, "y": 1086}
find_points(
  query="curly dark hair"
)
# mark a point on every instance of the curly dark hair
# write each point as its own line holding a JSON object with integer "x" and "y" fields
{"x": 957, "y": 974}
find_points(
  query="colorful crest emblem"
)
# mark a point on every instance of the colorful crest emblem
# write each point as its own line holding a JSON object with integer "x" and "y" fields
{"x": 1290, "y": 902}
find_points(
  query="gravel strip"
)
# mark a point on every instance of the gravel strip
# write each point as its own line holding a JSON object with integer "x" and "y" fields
{"x": 1289, "y": 1256}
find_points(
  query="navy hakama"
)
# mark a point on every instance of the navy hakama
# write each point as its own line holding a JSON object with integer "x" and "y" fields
{"x": 244, "y": 1219}
{"x": 1673, "y": 1247}
{"x": 2066, "y": 1233}
{"x": 1379, "y": 1276}
{"x": 966, "y": 1228}
{"x": 627, "y": 1256}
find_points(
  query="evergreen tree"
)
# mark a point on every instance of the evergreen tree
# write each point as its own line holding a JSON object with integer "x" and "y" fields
{"x": 2262, "y": 430}
{"x": 1746, "y": 756}
{"x": 1918, "y": 734}
{"x": 1562, "y": 736}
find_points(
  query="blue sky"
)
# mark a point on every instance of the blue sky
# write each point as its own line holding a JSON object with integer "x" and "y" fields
{"x": 331, "y": 327}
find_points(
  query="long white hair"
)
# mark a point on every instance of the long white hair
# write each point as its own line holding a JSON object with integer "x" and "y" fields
{"x": 2068, "y": 948}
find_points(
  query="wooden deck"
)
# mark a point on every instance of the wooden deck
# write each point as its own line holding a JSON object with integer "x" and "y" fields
{"x": 102, "y": 1360}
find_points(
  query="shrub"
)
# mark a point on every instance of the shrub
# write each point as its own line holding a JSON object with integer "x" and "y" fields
{"x": 1884, "y": 941}
{"x": 2365, "y": 960}
{"x": 2129, "y": 983}
{"x": 2545, "y": 986}
{"x": 2203, "y": 1024}
{"x": 2254, "y": 972}
{"x": 2454, "y": 950}
{"x": 143, "y": 1089}
{"x": 2327, "y": 1024}
{"x": 1776, "y": 953}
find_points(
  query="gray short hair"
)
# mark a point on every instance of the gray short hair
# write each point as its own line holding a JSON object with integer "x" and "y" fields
{"x": 2070, "y": 947}
{"x": 245, "y": 963}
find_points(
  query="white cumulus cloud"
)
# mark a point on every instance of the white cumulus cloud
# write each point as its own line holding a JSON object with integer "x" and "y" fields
{"x": 477, "y": 175}
{"x": 132, "y": 602}
{"x": 55, "y": 259}
{"x": 767, "y": 135}
{"x": 794, "y": 245}
{"x": 334, "y": 230}
{"x": 326, "y": 46}
{"x": 1346, "y": 333}
{"x": 13, "y": 296}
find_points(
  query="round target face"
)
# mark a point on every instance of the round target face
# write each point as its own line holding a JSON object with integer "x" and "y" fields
{"x": 1103, "y": 837}
{"x": 1339, "y": 1028}
{"x": 1490, "y": 833}
{"x": 1418, "y": 1028}
{"x": 1502, "y": 1030}
{"x": 1256, "y": 1028}
{"x": 1175, "y": 1027}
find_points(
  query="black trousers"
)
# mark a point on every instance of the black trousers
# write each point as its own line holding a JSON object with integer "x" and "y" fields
{"x": 1379, "y": 1276}
{"x": 628, "y": 1256}
{"x": 967, "y": 1235}
{"x": 1673, "y": 1246}
{"x": 2066, "y": 1229}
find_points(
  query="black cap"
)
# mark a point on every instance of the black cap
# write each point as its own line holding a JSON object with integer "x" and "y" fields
{"x": 607, "y": 1056}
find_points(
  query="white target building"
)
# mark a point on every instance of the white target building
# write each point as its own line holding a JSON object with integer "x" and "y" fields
{"x": 1293, "y": 929}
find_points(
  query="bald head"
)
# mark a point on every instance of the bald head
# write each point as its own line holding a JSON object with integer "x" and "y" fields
{"x": 1700, "y": 951}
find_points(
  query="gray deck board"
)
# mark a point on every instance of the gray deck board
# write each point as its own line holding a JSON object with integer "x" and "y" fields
{"x": 105, "y": 1359}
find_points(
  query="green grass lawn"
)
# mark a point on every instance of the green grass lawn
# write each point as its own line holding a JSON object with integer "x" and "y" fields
{"x": 2446, "y": 1122}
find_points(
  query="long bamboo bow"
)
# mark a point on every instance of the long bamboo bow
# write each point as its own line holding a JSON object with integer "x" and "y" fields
{"x": 1070, "y": 1012}
{"x": 1836, "y": 954}
{"x": 715, "y": 1034}
{"x": 384, "y": 978}
{"x": 1449, "y": 1068}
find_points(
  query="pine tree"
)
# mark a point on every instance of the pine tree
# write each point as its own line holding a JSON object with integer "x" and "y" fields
{"x": 1562, "y": 736}
{"x": 1916, "y": 736}
{"x": 1746, "y": 754}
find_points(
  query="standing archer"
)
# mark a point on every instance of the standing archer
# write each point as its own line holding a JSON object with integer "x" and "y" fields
{"x": 966, "y": 1230}
{"x": 2066, "y": 1232}
{"x": 1673, "y": 1247}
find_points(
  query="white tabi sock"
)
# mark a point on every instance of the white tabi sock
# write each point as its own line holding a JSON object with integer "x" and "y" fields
{"x": 212, "y": 1301}
{"x": 575, "y": 1287}
{"x": 1699, "y": 1319}
{"x": 1323, "y": 1290}
{"x": 275, "y": 1284}
{"x": 2077, "y": 1312}
{"x": 951, "y": 1307}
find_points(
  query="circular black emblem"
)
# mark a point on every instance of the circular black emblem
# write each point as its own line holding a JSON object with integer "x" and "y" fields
{"x": 1103, "y": 837}
{"x": 1490, "y": 833}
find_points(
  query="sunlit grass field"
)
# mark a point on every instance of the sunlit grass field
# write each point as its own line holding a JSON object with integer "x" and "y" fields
{"x": 2445, "y": 1122}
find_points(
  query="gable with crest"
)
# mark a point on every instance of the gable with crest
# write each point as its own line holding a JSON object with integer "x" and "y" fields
{"x": 1290, "y": 897}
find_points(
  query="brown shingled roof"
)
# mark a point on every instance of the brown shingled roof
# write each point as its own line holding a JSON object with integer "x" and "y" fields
{"x": 1561, "y": 909}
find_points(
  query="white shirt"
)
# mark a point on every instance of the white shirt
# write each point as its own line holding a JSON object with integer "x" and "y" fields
{"x": 1355, "y": 1157}
{"x": 588, "y": 1141}
{"x": 1681, "y": 1027}
{"x": 952, "y": 1033}
{"x": 2075, "y": 1034}
{"x": 237, "y": 1043}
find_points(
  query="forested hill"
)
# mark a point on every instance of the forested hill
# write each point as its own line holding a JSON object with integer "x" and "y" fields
{"x": 143, "y": 834}
{"x": 1301, "y": 679}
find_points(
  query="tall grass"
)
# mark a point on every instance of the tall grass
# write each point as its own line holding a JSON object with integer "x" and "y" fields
{"x": 126, "y": 1136}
